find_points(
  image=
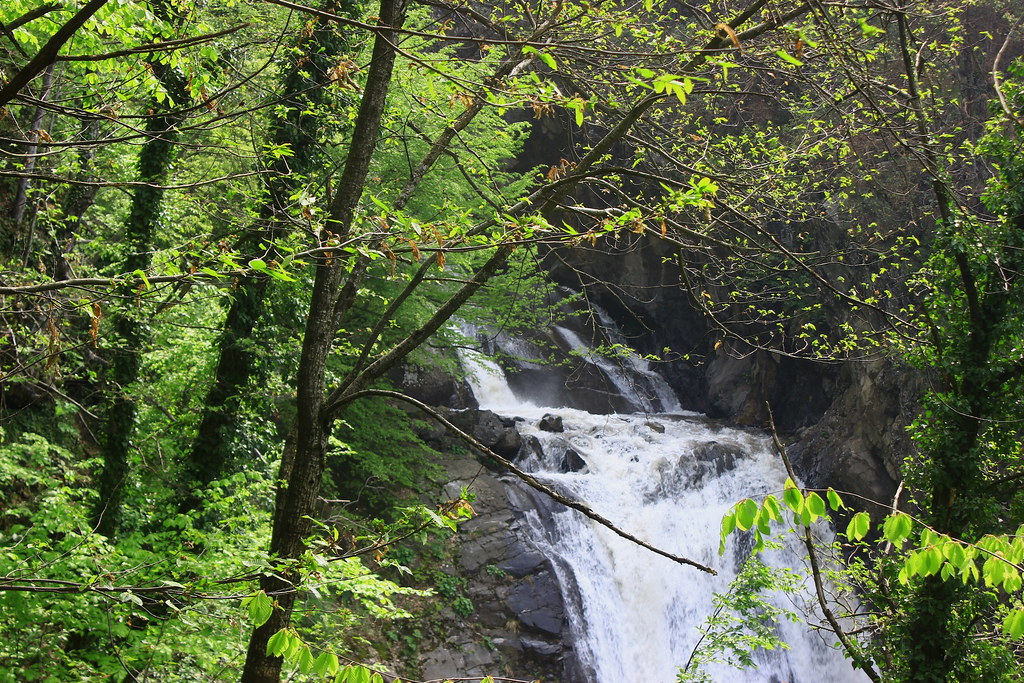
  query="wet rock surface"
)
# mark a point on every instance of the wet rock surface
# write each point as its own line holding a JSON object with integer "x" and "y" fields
{"x": 497, "y": 433}
{"x": 433, "y": 386}
{"x": 551, "y": 423}
{"x": 516, "y": 626}
{"x": 860, "y": 442}
{"x": 572, "y": 462}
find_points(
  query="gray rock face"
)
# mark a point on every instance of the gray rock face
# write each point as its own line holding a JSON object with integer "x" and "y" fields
{"x": 538, "y": 603}
{"x": 516, "y": 627}
{"x": 721, "y": 457}
{"x": 531, "y": 446}
{"x": 859, "y": 443}
{"x": 572, "y": 462}
{"x": 432, "y": 386}
{"x": 497, "y": 433}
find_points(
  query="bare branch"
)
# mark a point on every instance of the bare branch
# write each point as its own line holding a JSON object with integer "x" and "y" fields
{"x": 48, "y": 53}
{"x": 852, "y": 651}
{"x": 532, "y": 481}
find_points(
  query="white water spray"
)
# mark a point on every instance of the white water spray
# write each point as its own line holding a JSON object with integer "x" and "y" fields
{"x": 669, "y": 479}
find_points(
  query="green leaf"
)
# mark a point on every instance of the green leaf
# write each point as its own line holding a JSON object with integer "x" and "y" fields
{"x": 306, "y": 660}
{"x": 746, "y": 514}
{"x": 915, "y": 563}
{"x": 728, "y": 525}
{"x": 758, "y": 541}
{"x": 295, "y": 645}
{"x": 793, "y": 499}
{"x": 1011, "y": 581}
{"x": 897, "y": 528}
{"x": 278, "y": 643}
{"x": 815, "y": 504}
{"x": 280, "y": 275}
{"x": 788, "y": 57}
{"x": 353, "y": 673}
{"x": 771, "y": 507}
{"x": 834, "y": 500}
{"x": 258, "y": 264}
{"x": 260, "y": 608}
{"x": 867, "y": 29}
{"x": 932, "y": 561}
{"x": 969, "y": 572}
{"x": 859, "y": 526}
{"x": 142, "y": 276}
{"x": 761, "y": 520}
{"x": 1013, "y": 625}
{"x": 954, "y": 553}
{"x": 994, "y": 570}
{"x": 543, "y": 56}
{"x": 679, "y": 89}
{"x": 326, "y": 664}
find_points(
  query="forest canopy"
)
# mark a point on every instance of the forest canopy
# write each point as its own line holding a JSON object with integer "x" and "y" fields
{"x": 226, "y": 228}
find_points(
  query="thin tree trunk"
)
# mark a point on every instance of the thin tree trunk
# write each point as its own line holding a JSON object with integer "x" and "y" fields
{"x": 302, "y": 468}
{"x": 130, "y": 326}
{"x": 21, "y": 197}
{"x": 307, "y": 80}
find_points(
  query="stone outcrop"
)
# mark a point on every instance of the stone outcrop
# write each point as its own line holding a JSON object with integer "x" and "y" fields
{"x": 860, "y": 442}
{"x": 433, "y": 386}
{"x": 496, "y": 432}
{"x": 517, "y": 622}
{"x": 844, "y": 420}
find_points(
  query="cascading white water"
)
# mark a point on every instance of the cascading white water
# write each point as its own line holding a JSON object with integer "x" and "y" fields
{"x": 669, "y": 479}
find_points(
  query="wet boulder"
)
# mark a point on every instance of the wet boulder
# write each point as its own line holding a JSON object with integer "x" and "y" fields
{"x": 722, "y": 457}
{"x": 493, "y": 431}
{"x": 572, "y": 462}
{"x": 551, "y": 423}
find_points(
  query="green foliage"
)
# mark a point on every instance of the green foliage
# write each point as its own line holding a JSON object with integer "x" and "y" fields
{"x": 990, "y": 566}
{"x": 376, "y": 454}
{"x": 743, "y": 621}
{"x": 741, "y": 155}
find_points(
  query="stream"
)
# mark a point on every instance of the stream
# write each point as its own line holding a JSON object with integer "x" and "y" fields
{"x": 667, "y": 477}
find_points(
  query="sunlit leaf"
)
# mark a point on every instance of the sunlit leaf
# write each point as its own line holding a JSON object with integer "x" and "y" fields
{"x": 859, "y": 526}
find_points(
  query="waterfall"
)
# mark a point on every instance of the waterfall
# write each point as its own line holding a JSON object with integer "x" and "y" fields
{"x": 668, "y": 478}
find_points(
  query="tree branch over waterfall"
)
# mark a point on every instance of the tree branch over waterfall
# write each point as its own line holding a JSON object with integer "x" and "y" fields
{"x": 530, "y": 480}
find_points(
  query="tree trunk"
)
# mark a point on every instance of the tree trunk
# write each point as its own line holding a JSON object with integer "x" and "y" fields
{"x": 302, "y": 468}
{"x": 300, "y": 128}
{"x": 35, "y": 131}
{"x": 130, "y": 325}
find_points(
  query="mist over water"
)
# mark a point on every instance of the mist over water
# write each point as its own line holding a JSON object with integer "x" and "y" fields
{"x": 668, "y": 478}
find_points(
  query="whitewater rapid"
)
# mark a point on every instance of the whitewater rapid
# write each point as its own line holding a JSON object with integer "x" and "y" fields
{"x": 668, "y": 478}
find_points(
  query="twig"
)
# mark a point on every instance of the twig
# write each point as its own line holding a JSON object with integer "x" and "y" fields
{"x": 858, "y": 659}
{"x": 995, "y": 80}
{"x": 532, "y": 481}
